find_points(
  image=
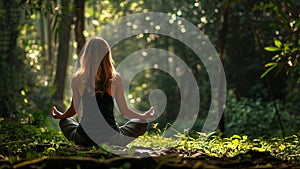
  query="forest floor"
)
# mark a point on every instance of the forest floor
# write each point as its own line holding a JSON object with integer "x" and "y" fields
{"x": 25, "y": 146}
{"x": 79, "y": 157}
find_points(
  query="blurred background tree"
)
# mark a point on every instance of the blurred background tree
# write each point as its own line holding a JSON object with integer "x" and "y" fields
{"x": 41, "y": 40}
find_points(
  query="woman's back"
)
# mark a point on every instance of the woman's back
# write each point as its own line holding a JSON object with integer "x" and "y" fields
{"x": 97, "y": 117}
{"x": 106, "y": 105}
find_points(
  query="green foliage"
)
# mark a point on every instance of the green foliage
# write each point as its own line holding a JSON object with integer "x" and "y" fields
{"x": 255, "y": 117}
{"x": 25, "y": 79}
{"x": 286, "y": 39}
{"x": 215, "y": 146}
{"x": 286, "y": 58}
{"x": 20, "y": 142}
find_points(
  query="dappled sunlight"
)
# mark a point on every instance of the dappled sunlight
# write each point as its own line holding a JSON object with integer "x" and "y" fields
{"x": 221, "y": 79}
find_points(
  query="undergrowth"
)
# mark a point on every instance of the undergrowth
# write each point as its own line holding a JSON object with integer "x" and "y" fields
{"x": 22, "y": 142}
{"x": 214, "y": 145}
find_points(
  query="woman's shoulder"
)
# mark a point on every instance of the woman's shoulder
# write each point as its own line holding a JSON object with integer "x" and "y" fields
{"x": 116, "y": 77}
{"x": 117, "y": 80}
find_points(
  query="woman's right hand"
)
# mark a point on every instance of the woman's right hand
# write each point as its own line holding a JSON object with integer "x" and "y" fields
{"x": 55, "y": 113}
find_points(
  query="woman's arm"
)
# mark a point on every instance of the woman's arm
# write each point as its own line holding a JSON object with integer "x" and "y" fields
{"x": 59, "y": 115}
{"x": 77, "y": 90}
{"x": 122, "y": 105}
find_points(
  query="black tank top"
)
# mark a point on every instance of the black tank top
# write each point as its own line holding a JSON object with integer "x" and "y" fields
{"x": 91, "y": 122}
{"x": 106, "y": 105}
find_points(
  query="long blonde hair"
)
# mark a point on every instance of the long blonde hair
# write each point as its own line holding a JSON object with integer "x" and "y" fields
{"x": 96, "y": 68}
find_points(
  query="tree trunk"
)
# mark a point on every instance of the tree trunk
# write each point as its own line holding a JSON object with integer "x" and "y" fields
{"x": 222, "y": 54}
{"x": 10, "y": 64}
{"x": 79, "y": 24}
{"x": 63, "y": 52}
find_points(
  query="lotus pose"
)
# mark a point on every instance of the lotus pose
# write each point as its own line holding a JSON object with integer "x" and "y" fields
{"x": 95, "y": 86}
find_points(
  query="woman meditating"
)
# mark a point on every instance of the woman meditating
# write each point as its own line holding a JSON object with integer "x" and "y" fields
{"x": 95, "y": 86}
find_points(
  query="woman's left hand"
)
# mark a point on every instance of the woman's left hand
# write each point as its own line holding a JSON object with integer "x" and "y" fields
{"x": 150, "y": 113}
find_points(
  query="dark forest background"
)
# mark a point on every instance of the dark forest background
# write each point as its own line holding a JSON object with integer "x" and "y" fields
{"x": 257, "y": 41}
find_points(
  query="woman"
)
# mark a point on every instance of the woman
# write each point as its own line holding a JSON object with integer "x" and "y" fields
{"x": 97, "y": 83}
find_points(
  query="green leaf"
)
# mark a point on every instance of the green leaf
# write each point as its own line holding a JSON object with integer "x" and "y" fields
{"x": 50, "y": 149}
{"x": 271, "y": 64}
{"x": 275, "y": 57}
{"x": 297, "y": 24}
{"x": 26, "y": 88}
{"x": 272, "y": 48}
{"x": 235, "y": 142}
{"x": 235, "y": 137}
{"x": 287, "y": 46}
{"x": 277, "y": 43}
{"x": 268, "y": 70}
